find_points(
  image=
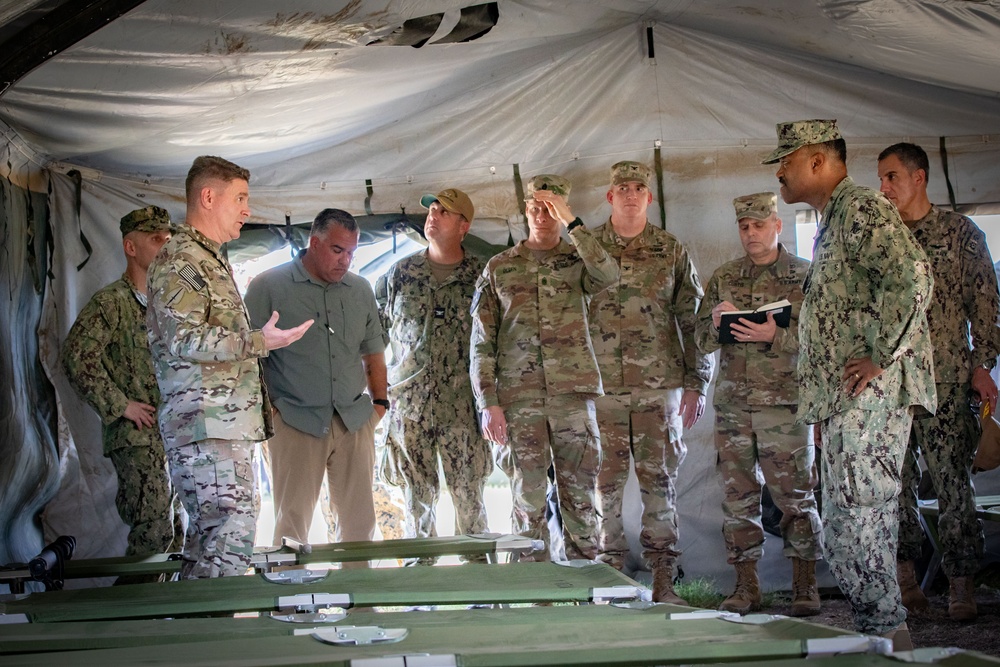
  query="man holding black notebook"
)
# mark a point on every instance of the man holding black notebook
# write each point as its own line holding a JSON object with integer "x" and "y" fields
{"x": 756, "y": 400}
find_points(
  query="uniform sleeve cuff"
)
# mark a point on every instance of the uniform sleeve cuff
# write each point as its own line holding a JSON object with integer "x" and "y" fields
{"x": 258, "y": 347}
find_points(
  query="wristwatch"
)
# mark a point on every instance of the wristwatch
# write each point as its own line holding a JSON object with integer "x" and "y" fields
{"x": 384, "y": 402}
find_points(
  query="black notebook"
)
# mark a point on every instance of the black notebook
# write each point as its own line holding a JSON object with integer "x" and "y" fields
{"x": 782, "y": 317}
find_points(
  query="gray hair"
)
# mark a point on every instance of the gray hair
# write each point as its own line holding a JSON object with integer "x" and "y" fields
{"x": 333, "y": 216}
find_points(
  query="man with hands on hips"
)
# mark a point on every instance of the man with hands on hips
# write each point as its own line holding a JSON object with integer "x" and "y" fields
{"x": 865, "y": 364}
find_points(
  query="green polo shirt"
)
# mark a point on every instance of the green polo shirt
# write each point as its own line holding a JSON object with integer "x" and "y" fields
{"x": 322, "y": 372}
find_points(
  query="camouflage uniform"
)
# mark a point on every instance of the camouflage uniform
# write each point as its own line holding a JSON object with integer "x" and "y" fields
{"x": 756, "y": 398}
{"x": 643, "y": 329}
{"x": 965, "y": 300}
{"x": 107, "y": 361}
{"x": 866, "y": 294}
{"x": 206, "y": 360}
{"x": 433, "y": 412}
{"x": 532, "y": 356}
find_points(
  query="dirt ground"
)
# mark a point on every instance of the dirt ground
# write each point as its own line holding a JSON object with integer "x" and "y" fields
{"x": 934, "y": 628}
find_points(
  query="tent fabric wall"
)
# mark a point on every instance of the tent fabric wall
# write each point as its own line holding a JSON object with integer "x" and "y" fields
{"x": 562, "y": 86}
{"x": 29, "y": 475}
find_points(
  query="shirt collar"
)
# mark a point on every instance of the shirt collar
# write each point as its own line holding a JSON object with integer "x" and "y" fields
{"x": 837, "y": 193}
{"x": 609, "y": 235}
{"x": 140, "y": 295}
{"x": 301, "y": 275}
{"x": 201, "y": 239}
{"x": 780, "y": 267}
{"x": 562, "y": 248}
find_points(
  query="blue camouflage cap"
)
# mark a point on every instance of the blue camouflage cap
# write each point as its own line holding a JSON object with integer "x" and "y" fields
{"x": 148, "y": 219}
{"x": 793, "y": 136}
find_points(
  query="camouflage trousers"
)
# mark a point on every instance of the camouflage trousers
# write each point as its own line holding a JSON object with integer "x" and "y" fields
{"x": 862, "y": 455}
{"x": 645, "y": 423}
{"x": 948, "y": 442}
{"x": 144, "y": 499}
{"x": 215, "y": 482}
{"x": 762, "y": 444}
{"x": 413, "y": 448}
{"x": 561, "y": 431}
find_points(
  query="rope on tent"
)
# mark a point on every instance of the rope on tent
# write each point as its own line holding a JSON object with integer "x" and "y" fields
{"x": 368, "y": 200}
{"x": 288, "y": 234}
{"x": 659, "y": 185}
{"x": 78, "y": 181}
{"x": 947, "y": 178}
{"x": 519, "y": 196}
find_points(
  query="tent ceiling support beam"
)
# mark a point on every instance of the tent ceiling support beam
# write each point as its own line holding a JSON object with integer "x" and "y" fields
{"x": 54, "y": 31}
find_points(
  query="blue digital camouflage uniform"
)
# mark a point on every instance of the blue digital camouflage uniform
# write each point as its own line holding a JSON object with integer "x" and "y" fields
{"x": 433, "y": 413}
{"x": 756, "y": 400}
{"x": 532, "y": 356}
{"x": 643, "y": 329}
{"x": 866, "y": 295}
{"x": 107, "y": 360}
{"x": 965, "y": 302}
{"x": 214, "y": 408}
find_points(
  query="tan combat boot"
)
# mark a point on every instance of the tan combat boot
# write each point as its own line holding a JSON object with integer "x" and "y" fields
{"x": 746, "y": 597}
{"x": 805, "y": 597}
{"x": 913, "y": 598}
{"x": 962, "y": 599}
{"x": 900, "y": 637}
{"x": 663, "y": 584}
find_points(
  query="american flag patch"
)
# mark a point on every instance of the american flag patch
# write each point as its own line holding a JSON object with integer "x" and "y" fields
{"x": 191, "y": 277}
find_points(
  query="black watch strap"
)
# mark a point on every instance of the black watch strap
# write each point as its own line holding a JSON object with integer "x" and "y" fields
{"x": 573, "y": 225}
{"x": 384, "y": 402}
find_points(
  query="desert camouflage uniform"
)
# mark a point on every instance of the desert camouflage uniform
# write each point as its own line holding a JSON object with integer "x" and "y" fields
{"x": 866, "y": 294}
{"x": 965, "y": 300}
{"x": 107, "y": 361}
{"x": 756, "y": 399}
{"x": 433, "y": 413}
{"x": 532, "y": 356}
{"x": 643, "y": 331}
{"x": 214, "y": 405}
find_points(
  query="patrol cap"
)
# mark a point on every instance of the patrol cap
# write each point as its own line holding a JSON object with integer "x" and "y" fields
{"x": 453, "y": 200}
{"x": 759, "y": 206}
{"x": 149, "y": 219}
{"x": 630, "y": 172}
{"x": 556, "y": 184}
{"x": 793, "y": 136}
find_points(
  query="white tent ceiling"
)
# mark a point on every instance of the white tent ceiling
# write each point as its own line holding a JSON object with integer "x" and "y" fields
{"x": 300, "y": 93}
